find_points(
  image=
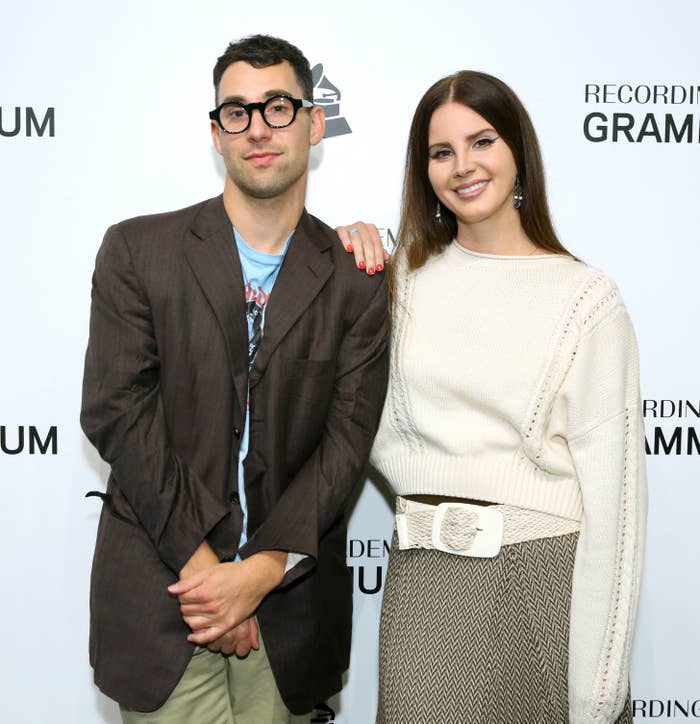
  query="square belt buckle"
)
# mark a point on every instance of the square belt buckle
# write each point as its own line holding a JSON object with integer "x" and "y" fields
{"x": 489, "y": 530}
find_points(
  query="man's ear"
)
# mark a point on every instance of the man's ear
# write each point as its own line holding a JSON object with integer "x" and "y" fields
{"x": 215, "y": 136}
{"x": 318, "y": 125}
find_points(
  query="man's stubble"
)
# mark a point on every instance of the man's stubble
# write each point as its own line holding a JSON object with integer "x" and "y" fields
{"x": 267, "y": 185}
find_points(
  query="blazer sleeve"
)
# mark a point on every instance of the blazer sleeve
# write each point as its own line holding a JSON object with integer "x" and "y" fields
{"x": 123, "y": 417}
{"x": 606, "y": 441}
{"x": 319, "y": 492}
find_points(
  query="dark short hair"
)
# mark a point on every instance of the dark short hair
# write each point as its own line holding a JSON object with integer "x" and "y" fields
{"x": 262, "y": 51}
{"x": 419, "y": 234}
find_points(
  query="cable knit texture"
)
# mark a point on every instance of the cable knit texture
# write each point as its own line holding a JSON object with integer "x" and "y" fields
{"x": 515, "y": 380}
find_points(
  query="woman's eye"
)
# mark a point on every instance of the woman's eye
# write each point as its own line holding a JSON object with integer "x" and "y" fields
{"x": 484, "y": 142}
{"x": 440, "y": 153}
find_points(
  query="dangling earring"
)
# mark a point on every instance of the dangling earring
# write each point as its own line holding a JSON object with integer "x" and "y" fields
{"x": 517, "y": 194}
{"x": 438, "y": 215}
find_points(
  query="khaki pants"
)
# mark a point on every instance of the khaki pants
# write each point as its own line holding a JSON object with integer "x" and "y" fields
{"x": 218, "y": 689}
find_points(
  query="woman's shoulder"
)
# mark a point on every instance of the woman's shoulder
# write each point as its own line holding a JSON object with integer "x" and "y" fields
{"x": 594, "y": 295}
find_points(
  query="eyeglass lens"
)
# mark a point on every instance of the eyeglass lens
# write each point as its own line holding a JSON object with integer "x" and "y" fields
{"x": 278, "y": 112}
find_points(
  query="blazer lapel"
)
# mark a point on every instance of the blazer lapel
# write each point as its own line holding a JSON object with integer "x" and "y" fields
{"x": 210, "y": 250}
{"x": 304, "y": 272}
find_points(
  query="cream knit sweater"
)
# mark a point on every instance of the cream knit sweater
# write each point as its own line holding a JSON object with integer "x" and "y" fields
{"x": 515, "y": 380}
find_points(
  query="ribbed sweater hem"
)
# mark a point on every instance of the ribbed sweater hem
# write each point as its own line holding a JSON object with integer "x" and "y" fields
{"x": 510, "y": 482}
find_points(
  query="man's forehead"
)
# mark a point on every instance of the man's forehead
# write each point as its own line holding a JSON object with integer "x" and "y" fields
{"x": 243, "y": 81}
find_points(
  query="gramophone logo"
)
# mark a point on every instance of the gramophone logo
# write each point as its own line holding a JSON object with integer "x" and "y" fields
{"x": 327, "y": 96}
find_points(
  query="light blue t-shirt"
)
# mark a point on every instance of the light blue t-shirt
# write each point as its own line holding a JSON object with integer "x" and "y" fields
{"x": 260, "y": 272}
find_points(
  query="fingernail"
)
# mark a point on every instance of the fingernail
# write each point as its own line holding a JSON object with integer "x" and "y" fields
{"x": 361, "y": 265}
{"x": 379, "y": 267}
{"x": 370, "y": 271}
{"x": 349, "y": 248}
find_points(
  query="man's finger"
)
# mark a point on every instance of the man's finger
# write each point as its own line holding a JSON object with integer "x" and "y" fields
{"x": 198, "y": 623}
{"x": 205, "y": 636}
{"x": 187, "y": 584}
{"x": 243, "y": 648}
{"x": 254, "y": 634}
{"x": 196, "y": 597}
{"x": 199, "y": 609}
{"x": 197, "y": 615}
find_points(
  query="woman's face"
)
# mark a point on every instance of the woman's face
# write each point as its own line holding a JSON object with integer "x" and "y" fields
{"x": 470, "y": 167}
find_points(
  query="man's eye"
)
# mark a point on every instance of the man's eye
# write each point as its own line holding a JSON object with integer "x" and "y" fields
{"x": 279, "y": 106}
{"x": 234, "y": 112}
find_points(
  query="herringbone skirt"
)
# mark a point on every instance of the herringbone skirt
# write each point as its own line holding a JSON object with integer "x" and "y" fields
{"x": 478, "y": 640}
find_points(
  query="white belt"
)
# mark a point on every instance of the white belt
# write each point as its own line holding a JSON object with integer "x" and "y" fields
{"x": 473, "y": 530}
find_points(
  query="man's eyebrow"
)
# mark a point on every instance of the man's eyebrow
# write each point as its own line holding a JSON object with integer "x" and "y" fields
{"x": 277, "y": 92}
{"x": 233, "y": 99}
{"x": 266, "y": 95}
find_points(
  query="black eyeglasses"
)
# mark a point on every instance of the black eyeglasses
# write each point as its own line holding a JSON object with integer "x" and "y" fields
{"x": 277, "y": 112}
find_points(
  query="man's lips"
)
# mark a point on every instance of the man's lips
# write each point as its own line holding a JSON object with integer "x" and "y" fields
{"x": 262, "y": 158}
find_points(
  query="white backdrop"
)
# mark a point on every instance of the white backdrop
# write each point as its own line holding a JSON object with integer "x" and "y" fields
{"x": 96, "y": 147}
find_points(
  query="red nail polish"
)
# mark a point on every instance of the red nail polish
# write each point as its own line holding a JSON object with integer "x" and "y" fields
{"x": 361, "y": 265}
{"x": 349, "y": 249}
{"x": 379, "y": 267}
{"x": 370, "y": 271}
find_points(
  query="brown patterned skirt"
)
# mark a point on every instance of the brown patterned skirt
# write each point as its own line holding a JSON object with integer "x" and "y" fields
{"x": 478, "y": 640}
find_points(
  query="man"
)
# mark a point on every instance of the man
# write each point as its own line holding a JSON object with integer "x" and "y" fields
{"x": 234, "y": 379}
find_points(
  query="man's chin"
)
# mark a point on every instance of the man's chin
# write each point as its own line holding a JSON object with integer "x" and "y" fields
{"x": 265, "y": 188}
{"x": 263, "y": 192}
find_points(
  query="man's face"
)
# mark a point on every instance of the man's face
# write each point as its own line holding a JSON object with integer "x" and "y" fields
{"x": 265, "y": 162}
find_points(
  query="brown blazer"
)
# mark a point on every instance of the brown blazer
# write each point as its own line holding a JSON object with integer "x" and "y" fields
{"x": 163, "y": 402}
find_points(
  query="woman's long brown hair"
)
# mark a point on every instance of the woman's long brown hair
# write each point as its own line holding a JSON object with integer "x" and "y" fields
{"x": 420, "y": 233}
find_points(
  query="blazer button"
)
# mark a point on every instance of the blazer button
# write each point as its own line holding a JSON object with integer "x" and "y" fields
{"x": 237, "y": 433}
{"x": 235, "y": 498}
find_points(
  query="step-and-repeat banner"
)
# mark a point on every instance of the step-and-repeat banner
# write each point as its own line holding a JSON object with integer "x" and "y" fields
{"x": 103, "y": 116}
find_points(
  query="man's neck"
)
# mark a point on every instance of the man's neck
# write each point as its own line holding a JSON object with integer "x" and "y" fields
{"x": 265, "y": 224}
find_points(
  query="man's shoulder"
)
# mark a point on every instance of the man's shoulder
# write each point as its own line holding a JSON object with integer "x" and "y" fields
{"x": 162, "y": 224}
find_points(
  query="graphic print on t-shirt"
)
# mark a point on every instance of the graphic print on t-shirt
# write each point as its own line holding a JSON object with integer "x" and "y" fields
{"x": 255, "y": 302}
{"x": 260, "y": 272}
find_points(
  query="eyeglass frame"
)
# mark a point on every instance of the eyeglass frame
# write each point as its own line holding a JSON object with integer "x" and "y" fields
{"x": 297, "y": 103}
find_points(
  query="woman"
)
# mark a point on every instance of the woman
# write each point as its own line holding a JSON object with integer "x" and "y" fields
{"x": 511, "y": 434}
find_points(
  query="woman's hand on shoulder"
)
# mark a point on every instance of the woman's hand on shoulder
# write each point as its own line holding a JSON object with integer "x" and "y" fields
{"x": 364, "y": 242}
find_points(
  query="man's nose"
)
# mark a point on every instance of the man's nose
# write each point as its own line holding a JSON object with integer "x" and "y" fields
{"x": 258, "y": 128}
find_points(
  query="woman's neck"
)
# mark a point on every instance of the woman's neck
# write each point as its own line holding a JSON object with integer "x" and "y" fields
{"x": 499, "y": 234}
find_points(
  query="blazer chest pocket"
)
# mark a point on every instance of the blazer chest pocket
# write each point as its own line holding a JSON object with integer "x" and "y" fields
{"x": 310, "y": 379}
